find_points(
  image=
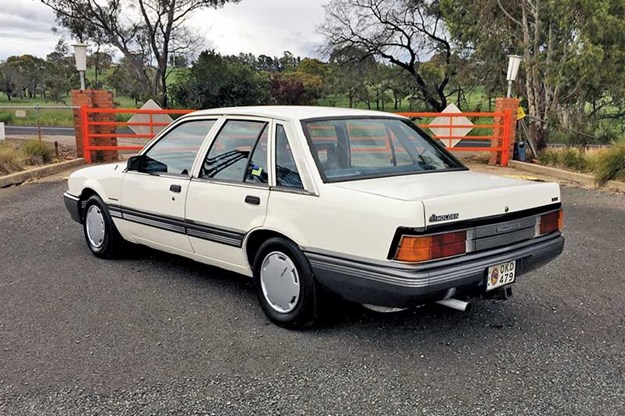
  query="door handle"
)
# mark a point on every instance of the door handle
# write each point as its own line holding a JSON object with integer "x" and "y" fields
{"x": 252, "y": 200}
{"x": 175, "y": 188}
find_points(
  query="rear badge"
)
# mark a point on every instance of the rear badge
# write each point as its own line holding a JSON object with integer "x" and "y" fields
{"x": 506, "y": 209}
{"x": 508, "y": 227}
{"x": 446, "y": 217}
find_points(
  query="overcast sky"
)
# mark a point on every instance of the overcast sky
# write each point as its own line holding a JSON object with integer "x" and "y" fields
{"x": 256, "y": 26}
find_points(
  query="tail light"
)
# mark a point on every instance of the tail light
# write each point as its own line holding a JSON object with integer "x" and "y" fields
{"x": 549, "y": 223}
{"x": 423, "y": 248}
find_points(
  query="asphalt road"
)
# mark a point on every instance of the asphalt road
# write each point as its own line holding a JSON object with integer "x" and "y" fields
{"x": 156, "y": 334}
{"x": 34, "y": 130}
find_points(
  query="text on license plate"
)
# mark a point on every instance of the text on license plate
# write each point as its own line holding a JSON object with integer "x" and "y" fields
{"x": 500, "y": 275}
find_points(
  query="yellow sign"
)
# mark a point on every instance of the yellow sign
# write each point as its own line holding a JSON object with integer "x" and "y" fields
{"x": 520, "y": 113}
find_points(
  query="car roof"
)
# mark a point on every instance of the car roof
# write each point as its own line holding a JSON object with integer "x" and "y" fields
{"x": 295, "y": 113}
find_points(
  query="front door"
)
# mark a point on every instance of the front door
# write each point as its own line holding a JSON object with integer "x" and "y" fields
{"x": 153, "y": 198}
{"x": 229, "y": 198}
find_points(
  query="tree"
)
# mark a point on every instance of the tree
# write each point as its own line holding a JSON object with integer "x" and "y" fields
{"x": 24, "y": 75}
{"x": 60, "y": 73}
{"x": 572, "y": 53}
{"x": 121, "y": 79}
{"x": 401, "y": 32}
{"x": 352, "y": 66}
{"x": 296, "y": 88}
{"x": 218, "y": 81}
{"x": 5, "y": 81}
{"x": 137, "y": 27}
{"x": 288, "y": 89}
{"x": 267, "y": 63}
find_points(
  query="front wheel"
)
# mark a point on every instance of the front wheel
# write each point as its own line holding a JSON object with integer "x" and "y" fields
{"x": 285, "y": 285}
{"x": 101, "y": 235}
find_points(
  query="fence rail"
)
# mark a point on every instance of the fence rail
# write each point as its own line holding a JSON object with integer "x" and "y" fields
{"x": 102, "y": 129}
{"x": 497, "y": 137}
{"x": 101, "y": 124}
{"x": 52, "y": 123}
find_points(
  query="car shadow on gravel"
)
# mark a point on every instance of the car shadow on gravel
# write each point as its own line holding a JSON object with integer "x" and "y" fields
{"x": 336, "y": 315}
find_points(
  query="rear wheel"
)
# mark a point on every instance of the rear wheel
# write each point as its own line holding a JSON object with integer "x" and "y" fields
{"x": 284, "y": 283}
{"x": 101, "y": 235}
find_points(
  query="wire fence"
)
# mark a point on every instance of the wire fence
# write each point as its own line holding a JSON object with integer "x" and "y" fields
{"x": 54, "y": 124}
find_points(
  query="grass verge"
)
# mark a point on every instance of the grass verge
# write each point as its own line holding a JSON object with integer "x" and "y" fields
{"x": 17, "y": 155}
{"x": 604, "y": 164}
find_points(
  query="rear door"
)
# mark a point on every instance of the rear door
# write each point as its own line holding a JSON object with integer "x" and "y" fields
{"x": 230, "y": 194}
{"x": 153, "y": 198}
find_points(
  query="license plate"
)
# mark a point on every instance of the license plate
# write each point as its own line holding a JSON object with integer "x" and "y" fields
{"x": 500, "y": 275}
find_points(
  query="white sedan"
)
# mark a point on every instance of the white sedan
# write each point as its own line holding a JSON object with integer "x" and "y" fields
{"x": 316, "y": 202}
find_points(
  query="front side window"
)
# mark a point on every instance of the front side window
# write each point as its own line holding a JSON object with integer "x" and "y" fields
{"x": 287, "y": 174}
{"x": 228, "y": 158}
{"x": 175, "y": 152}
{"x": 363, "y": 148}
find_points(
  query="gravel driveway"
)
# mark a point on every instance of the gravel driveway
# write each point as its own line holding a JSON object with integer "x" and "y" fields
{"x": 157, "y": 334}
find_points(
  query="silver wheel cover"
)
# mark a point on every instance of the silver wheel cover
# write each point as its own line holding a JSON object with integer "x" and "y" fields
{"x": 94, "y": 222}
{"x": 280, "y": 282}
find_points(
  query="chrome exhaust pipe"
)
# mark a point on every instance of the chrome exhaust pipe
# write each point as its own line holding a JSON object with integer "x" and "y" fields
{"x": 453, "y": 303}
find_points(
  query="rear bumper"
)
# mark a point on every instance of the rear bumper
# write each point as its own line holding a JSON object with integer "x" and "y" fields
{"x": 72, "y": 203}
{"x": 401, "y": 285}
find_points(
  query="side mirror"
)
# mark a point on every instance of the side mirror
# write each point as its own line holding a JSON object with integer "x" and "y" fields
{"x": 135, "y": 163}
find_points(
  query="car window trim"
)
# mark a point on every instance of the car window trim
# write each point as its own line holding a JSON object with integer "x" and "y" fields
{"x": 263, "y": 187}
{"x": 222, "y": 123}
{"x": 161, "y": 174}
{"x": 286, "y": 189}
{"x": 249, "y": 159}
{"x": 275, "y": 158}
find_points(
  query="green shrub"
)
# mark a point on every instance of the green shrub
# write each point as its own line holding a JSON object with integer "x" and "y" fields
{"x": 574, "y": 159}
{"x": 11, "y": 159}
{"x": 570, "y": 158}
{"x": 6, "y": 118}
{"x": 38, "y": 152}
{"x": 610, "y": 164}
{"x": 550, "y": 157}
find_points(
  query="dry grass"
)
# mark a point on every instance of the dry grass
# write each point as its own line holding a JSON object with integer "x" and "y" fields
{"x": 17, "y": 155}
{"x": 604, "y": 163}
{"x": 610, "y": 164}
{"x": 11, "y": 159}
{"x": 482, "y": 157}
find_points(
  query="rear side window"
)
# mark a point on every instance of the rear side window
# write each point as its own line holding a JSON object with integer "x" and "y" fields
{"x": 287, "y": 175}
{"x": 175, "y": 152}
{"x": 257, "y": 166}
{"x": 229, "y": 155}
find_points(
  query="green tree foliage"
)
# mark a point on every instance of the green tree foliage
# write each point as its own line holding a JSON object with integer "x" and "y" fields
{"x": 352, "y": 67}
{"x": 29, "y": 77}
{"x": 60, "y": 73}
{"x": 572, "y": 54}
{"x": 137, "y": 28}
{"x": 24, "y": 76}
{"x": 121, "y": 79}
{"x": 218, "y": 81}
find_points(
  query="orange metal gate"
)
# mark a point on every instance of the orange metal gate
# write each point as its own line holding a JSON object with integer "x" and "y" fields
{"x": 497, "y": 132}
{"x": 101, "y": 124}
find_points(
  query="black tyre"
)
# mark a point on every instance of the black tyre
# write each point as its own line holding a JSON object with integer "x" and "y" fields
{"x": 101, "y": 235}
{"x": 285, "y": 284}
